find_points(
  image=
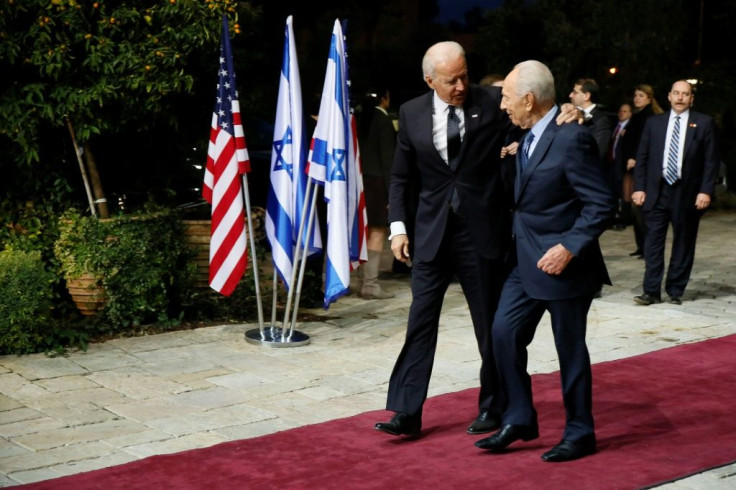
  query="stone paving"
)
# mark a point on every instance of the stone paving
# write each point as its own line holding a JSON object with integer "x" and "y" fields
{"x": 131, "y": 398}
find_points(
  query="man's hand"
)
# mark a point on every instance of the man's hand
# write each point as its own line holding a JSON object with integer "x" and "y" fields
{"x": 555, "y": 260}
{"x": 569, "y": 113}
{"x": 630, "y": 163}
{"x": 639, "y": 197}
{"x": 400, "y": 248}
{"x": 702, "y": 201}
{"x": 510, "y": 149}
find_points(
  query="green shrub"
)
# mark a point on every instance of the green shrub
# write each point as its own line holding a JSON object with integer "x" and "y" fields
{"x": 25, "y": 302}
{"x": 142, "y": 261}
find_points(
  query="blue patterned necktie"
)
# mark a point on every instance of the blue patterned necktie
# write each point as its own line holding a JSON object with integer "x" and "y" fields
{"x": 670, "y": 174}
{"x": 525, "y": 150}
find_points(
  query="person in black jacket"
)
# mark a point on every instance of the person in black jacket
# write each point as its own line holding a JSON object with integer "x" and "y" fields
{"x": 644, "y": 105}
{"x": 377, "y": 138}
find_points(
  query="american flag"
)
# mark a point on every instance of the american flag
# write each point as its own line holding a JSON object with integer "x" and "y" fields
{"x": 227, "y": 160}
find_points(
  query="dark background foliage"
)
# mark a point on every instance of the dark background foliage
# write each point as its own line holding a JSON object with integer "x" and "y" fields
{"x": 147, "y": 145}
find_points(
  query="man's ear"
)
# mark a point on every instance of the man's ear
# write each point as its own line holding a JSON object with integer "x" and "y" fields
{"x": 429, "y": 81}
{"x": 586, "y": 96}
{"x": 528, "y": 101}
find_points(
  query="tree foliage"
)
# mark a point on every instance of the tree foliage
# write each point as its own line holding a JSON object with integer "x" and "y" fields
{"x": 648, "y": 41}
{"x": 106, "y": 65}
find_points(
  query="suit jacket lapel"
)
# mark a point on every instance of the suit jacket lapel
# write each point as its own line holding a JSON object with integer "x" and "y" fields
{"x": 692, "y": 128}
{"x": 661, "y": 128}
{"x": 472, "y": 121}
{"x": 536, "y": 157}
{"x": 422, "y": 123}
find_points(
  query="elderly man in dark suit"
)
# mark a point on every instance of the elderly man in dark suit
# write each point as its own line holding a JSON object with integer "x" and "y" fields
{"x": 562, "y": 205}
{"x": 449, "y": 143}
{"x": 674, "y": 181}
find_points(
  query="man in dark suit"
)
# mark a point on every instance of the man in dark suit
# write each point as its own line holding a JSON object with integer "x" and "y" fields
{"x": 563, "y": 204}
{"x": 584, "y": 95}
{"x": 449, "y": 143}
{"x": 674, "y": 181}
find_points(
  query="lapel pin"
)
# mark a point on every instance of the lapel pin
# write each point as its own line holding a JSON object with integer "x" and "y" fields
{"x": 693, "y": 125}
{"x": 474, "y": 115}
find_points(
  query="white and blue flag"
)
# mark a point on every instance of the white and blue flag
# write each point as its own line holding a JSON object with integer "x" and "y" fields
{"x": 332, "y": 162}
{"x": 286, "y": 193}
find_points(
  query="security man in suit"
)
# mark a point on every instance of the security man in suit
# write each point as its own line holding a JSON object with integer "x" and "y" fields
{"x": 563, "y": 203}
{"x": 584, "y": 95}
{"x": 674, "y": 182}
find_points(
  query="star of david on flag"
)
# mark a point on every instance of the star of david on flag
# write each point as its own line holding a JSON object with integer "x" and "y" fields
{"x": 334, "y": 162}
{"x": 288, "y": 178}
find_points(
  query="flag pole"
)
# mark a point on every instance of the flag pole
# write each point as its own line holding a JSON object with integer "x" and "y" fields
{"x": 298, "y": 256}
{"x": 303, "y": 265}
{"x": 253, "y": 257}
{"x": 274, "y": 298}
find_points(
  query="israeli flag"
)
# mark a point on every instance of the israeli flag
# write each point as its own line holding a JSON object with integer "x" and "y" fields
{"x": 328, "y": 164}
{"x": 286, "y": 193}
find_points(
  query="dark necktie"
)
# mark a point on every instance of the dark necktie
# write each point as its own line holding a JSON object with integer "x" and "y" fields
{"x": 525, "y": 150}
{"x": 453, "y": 150}
{"x": 453, "y": 137}
{"x": 670, "y": 174}
{"x": 614, "y": 143}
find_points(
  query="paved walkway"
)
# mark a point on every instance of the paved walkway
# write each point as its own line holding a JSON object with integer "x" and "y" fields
{"x": 127, "y": 399}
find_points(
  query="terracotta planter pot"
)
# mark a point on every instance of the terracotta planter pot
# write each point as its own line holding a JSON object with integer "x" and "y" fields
{"x": 87, "y": 293}
{"x": 197, "y": 237}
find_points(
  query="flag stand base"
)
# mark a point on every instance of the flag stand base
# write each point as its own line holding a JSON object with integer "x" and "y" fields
{"x": 273, "y": 337}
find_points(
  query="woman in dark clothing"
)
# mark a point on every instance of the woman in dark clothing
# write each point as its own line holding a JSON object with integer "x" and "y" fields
{"x": 644, "y": 106}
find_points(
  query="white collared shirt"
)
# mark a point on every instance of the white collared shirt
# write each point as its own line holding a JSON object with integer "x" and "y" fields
{"x": 684, "y": 116}
{"x": 440, "y": 110}
{"x": 539, "y": 128}
{"x": 618, "y": 132}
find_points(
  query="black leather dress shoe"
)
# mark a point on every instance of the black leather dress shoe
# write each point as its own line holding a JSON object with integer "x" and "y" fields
{"x": 508, "y": 434}
{"x": 485, "y": 423}
{"x": 402, "y": 424}
{"x": 647, "y": 299}
{"x": 675, "y": 300}
{"x": 569, "y": 450}
{"x": 635, "y": 253}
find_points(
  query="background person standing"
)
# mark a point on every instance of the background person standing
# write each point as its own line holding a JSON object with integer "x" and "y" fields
{"x": 675, "y": 176}
{"x": 644, "y": 106}
{"x": 377, "y": 143}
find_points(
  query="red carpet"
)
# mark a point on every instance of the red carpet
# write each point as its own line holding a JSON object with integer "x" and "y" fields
{"x": 660, "y": 416}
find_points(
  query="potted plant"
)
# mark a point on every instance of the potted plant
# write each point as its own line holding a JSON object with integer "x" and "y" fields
{"x": 133, "y": 268}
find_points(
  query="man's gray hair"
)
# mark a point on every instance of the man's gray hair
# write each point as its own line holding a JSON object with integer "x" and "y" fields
{"x": 437, "y": 53}
{"x": 534, "y": 77}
